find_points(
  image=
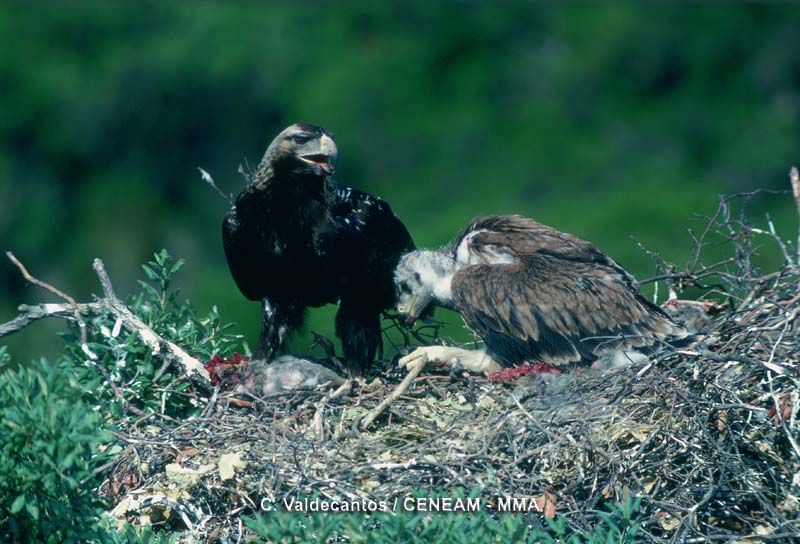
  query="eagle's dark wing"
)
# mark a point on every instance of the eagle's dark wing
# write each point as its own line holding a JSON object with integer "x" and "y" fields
{"x": 251, "y": 247}
{"x": 363, "y": 236}
{"x": 359, "y": 242}
{"x": 238, "y": 244}
{"x": 367, "y": 215}
{"x": 549, "y": 310}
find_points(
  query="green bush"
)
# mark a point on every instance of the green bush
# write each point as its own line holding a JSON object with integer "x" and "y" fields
{"x": 50, "y": 448}
{"x": 131, "y": 363}
{"x": 52, "y": 416}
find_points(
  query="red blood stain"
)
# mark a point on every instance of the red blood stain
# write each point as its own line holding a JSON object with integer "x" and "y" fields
{"x": 217, "y": 362}
{"x": 509, "y": 375}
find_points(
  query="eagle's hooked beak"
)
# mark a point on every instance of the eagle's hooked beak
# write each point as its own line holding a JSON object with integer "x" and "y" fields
{"x": 325, "y": 157}
{"x": 406, "y": 312}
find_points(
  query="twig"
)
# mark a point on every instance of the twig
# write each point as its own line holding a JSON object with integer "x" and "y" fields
{"x": 29, "y": 314}
{"x": 44, "y": 285}
{"x": 725, "y": 357}
{"x": 210, "y": 181}
{"x": 794, "y": 179}
{"x": 317, "y": 424}
{"x": 246, "y": 171}
{"x": 212, "y": 402}
{"x": 401, "y": 388}
{"x": 125, "y": 404}
{"x": 774, "y": 235}
{"x": 105, "y": 281}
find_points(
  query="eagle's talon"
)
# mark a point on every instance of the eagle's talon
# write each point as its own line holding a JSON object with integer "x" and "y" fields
{"x": 426, "y": 355}
{"x": 418, "y": 357}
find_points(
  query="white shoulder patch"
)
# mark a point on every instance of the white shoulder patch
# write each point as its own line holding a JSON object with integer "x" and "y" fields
{"x": 490, "y": 254}
{"x": 464, "y": 251}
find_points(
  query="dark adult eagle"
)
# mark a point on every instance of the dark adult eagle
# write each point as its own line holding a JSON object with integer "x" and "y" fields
{"x": 296, "y": 238}
{"x": 533, "y": 294}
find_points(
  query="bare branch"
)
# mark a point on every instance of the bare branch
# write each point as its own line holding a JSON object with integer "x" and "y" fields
{"x": 29, "y": 314}
{"x": 44, "y": 285}
{"x": 158, "y": 346}
{"x": 105, "y": 281}
{"x": 794, "y": 179}
{"x": 401, "y": 388}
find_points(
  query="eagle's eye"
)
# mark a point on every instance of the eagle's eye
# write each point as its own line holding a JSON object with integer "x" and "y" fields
{"x": 417, "y": 277}
{"x": 300, "y": 139}
{"x": 405, "y": 288}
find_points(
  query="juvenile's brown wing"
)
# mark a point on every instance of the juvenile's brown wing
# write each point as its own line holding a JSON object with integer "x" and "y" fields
{"x": 524, "y": 236}
{"x": 555, "y": 311}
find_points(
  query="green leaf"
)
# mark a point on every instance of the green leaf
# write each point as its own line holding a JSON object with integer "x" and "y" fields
{"x": 149, "y": 272}
{"x": 32, "y": 509}
{"x": 177, "y": 266}
{"x": 42, "y": 384}
{"x": 18, "y": 503}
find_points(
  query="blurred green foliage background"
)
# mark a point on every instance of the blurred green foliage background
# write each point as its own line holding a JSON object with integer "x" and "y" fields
{"x": 605, "y": 120}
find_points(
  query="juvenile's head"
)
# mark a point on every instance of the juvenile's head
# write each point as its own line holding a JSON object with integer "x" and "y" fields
{"x": 301, "y": 149}
{"x": 422, "y": 278}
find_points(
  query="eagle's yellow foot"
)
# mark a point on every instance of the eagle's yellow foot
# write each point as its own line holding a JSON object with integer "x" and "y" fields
{"x": 419, "y": 358}
{"x": 474, "y": 361}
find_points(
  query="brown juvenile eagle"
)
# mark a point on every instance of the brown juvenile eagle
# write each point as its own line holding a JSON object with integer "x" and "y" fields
{"x": 532, "y": 294}
{"x": 296, "y": 238}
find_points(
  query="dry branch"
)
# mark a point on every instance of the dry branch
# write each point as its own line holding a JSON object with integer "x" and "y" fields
{"x": 190, "y": 366}
{"x": 401, "y": 388}
{"x": 159, "y": 346}
{"x": 29, "y": 314}
{"x": 44, "y": 285}
{"x": 794, "y": 179}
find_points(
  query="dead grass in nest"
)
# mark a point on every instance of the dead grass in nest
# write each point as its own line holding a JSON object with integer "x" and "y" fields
{"x": 707, "y": 436}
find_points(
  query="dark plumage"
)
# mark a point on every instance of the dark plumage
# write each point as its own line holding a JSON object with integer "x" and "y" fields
{"x": 296, "y": 238}
{"x": 533, "y": 293}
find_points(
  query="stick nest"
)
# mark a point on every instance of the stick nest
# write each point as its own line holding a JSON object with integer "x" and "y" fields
{"x": 706, "y": 436}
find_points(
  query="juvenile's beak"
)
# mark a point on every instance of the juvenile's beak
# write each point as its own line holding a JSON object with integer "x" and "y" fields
{"x": 405, "y": 318}
{"x": 406, "y": 313}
